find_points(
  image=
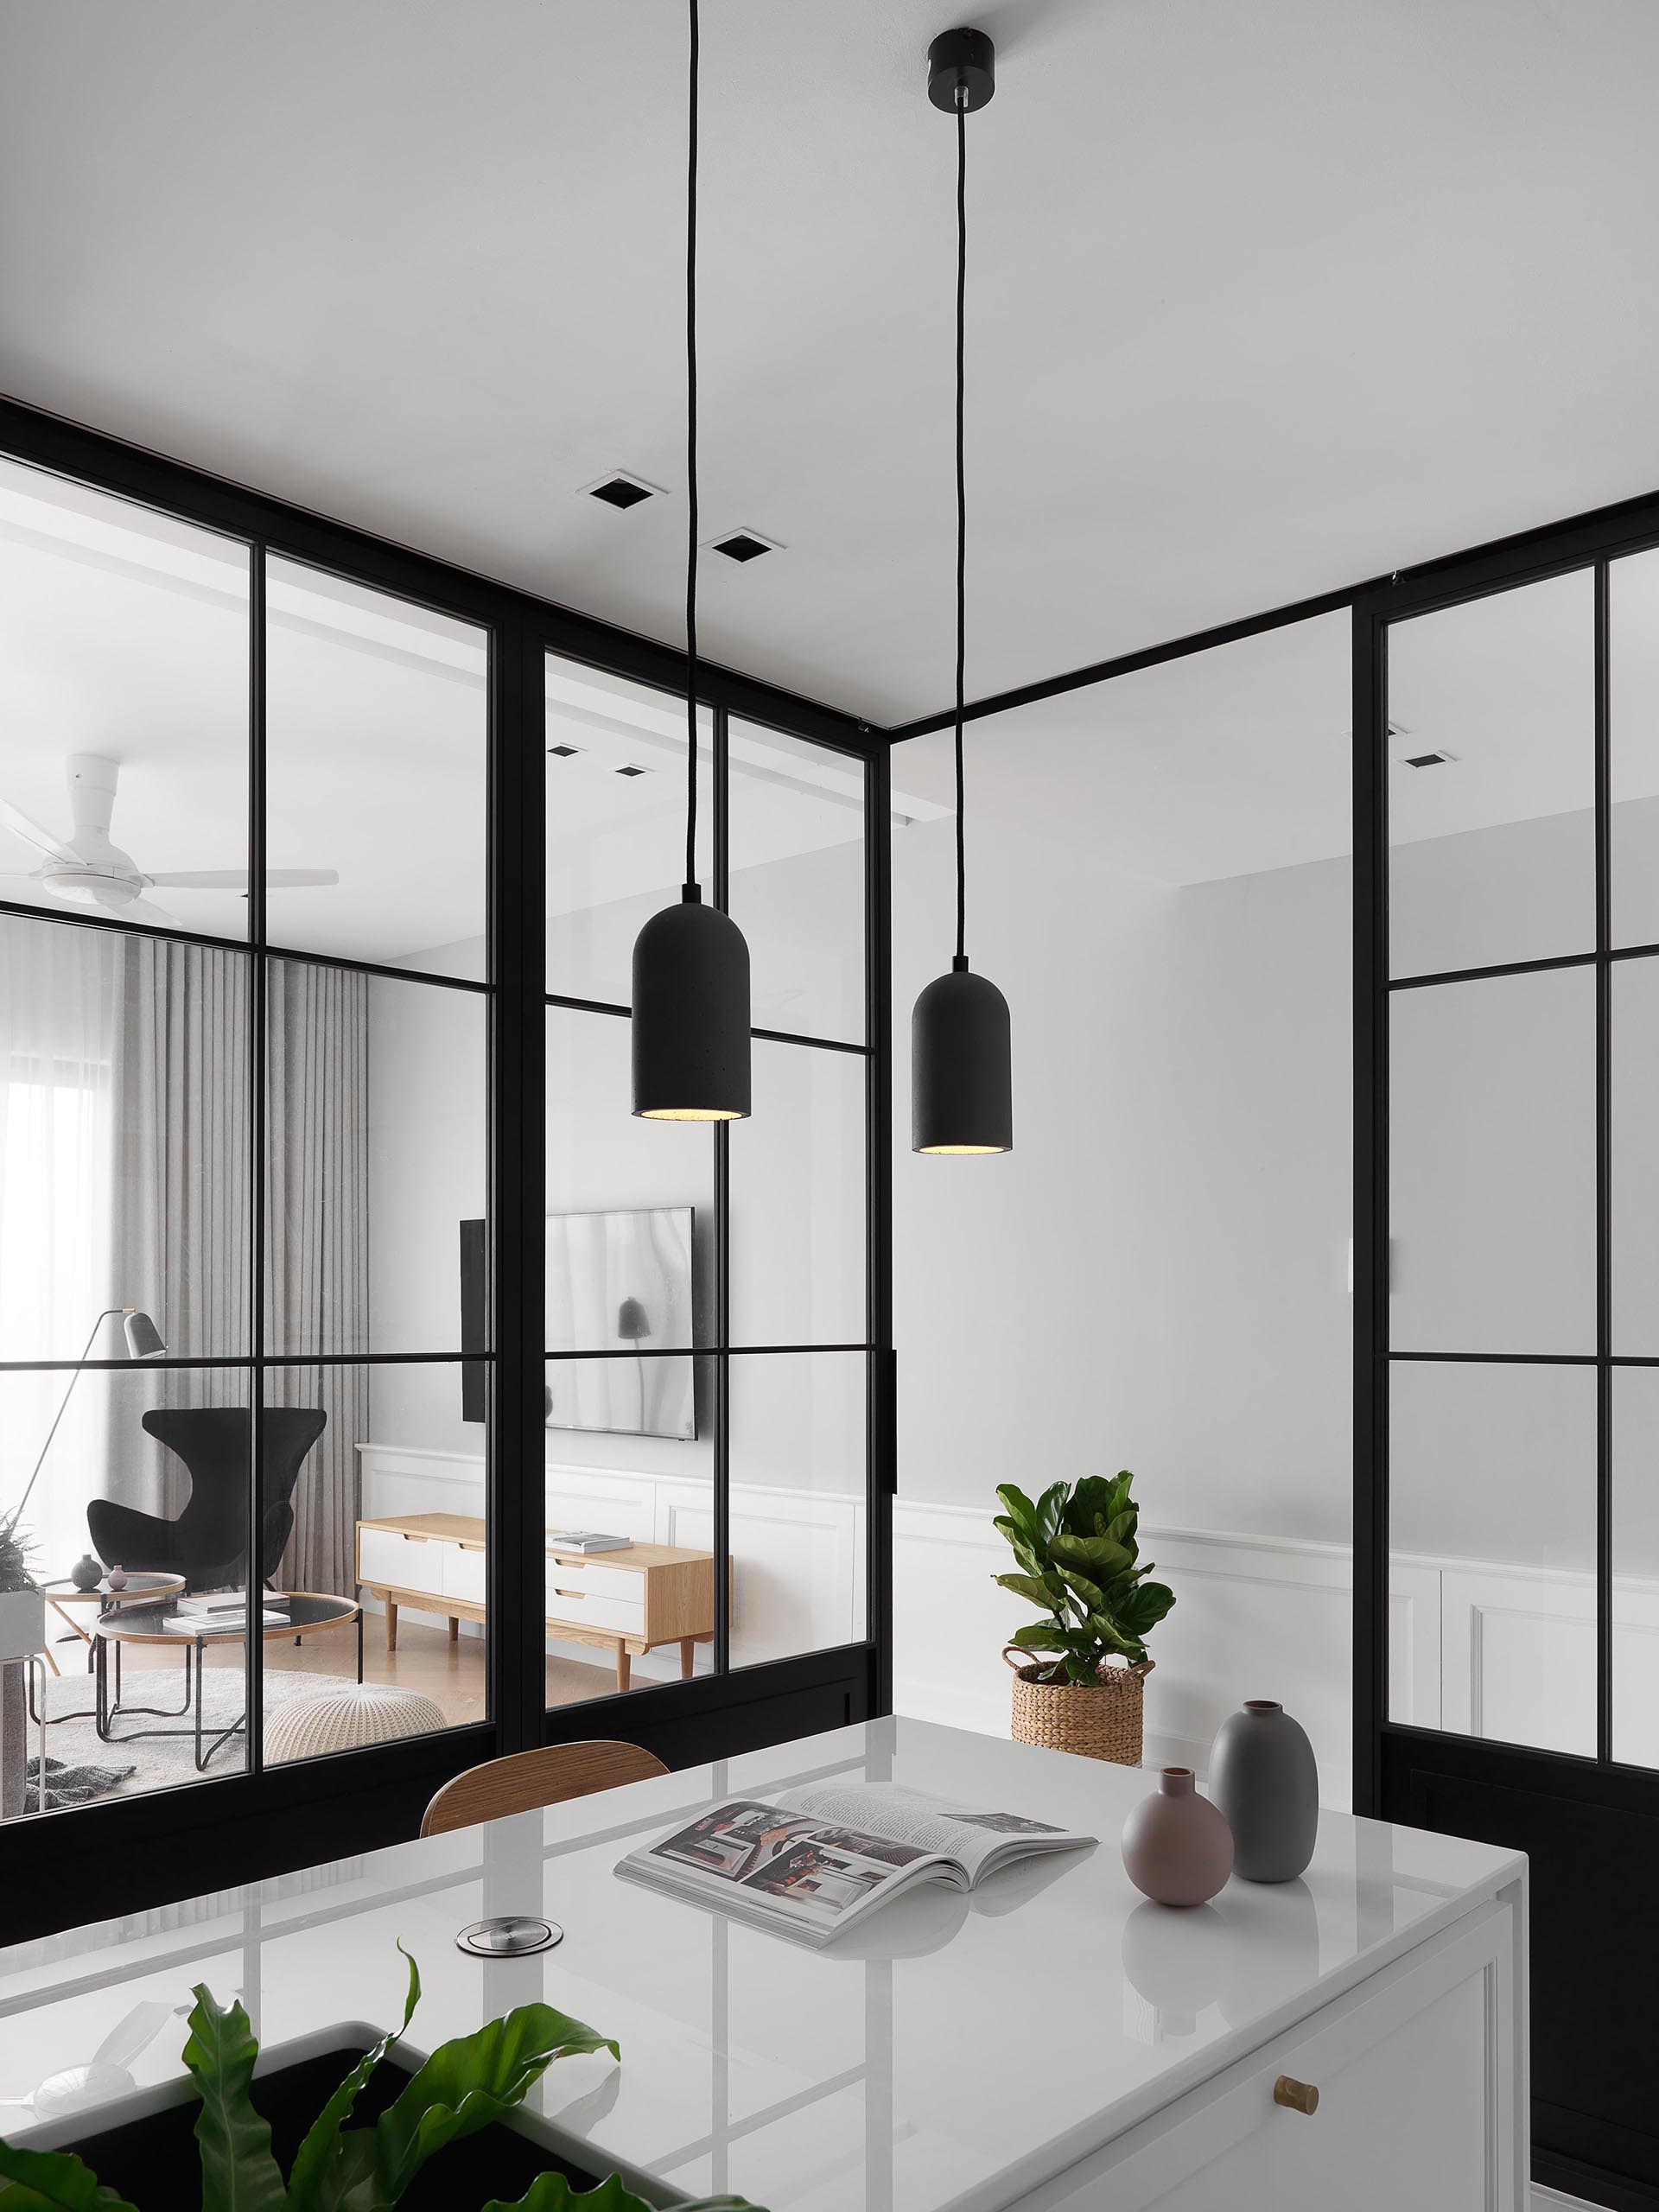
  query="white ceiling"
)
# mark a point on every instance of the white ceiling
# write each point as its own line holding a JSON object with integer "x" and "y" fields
{"x": 1264, "y": 299}
{"x": 125, "y": 633}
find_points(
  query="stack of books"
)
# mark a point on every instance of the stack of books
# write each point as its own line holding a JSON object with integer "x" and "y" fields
{"x": 221, "y": 1613}
{"x": 584, "y": 1539}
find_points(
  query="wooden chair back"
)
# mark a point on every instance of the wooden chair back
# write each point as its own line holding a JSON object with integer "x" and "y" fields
{"x": 526, "y": 1781}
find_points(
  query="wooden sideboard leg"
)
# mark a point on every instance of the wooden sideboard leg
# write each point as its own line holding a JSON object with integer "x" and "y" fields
{"x": 391, "y": 1625}
{"x": 455, "y": 1628}
{"x": 687, "y": 1646}
{"x": 624, "y": 1667}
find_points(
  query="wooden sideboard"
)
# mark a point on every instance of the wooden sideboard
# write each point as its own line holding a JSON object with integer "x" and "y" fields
{"x": 626, "y": 1602}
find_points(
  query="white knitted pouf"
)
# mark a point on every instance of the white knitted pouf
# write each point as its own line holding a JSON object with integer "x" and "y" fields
{"x": 343, "y": 1716}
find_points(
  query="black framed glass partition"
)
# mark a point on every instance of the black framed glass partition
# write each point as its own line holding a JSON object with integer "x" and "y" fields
{"x": 306, "y": 1061}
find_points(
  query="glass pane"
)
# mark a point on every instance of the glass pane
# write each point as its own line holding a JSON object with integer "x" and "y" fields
{"x": 388, "y": 1509}
{"x": 377, "y": 724}
{"x": 147, "y": 1475}
{"x": 797, "y": 827}
{"x": 1492, "y": 840}
{"x": 1634, "y": 1221}
{"x": 377, "y": 1160}
{"x": 1492, "y": 1517}
{"x": 1633, "y": 747}
{"x": 1635, "y": 1566}
{"x": 123, "y": 696}
{"x": 616, "y": 823}
{"x": 797, "y": 1200}
{"x": 1492, "y": 1164}
{"x": 630, "y": 1523}
{"x": 798, "y": 1515}
{"x": 630, "y": 1210}
{"x": 123, "y": 1143}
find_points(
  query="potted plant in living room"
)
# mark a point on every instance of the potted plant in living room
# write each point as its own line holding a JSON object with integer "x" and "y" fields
{"x": 1078, "y": 1562}
{"x": 23, "y": 1608}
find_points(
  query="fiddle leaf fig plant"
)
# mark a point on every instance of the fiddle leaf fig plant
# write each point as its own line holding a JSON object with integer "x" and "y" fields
{"x": 466, "y": 2085}
{"x": 1079, "y": 1565}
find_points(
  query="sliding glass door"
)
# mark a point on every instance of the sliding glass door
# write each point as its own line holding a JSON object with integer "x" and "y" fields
{"x": 1508, "y": 794}
{"x": 333, "y": 1267}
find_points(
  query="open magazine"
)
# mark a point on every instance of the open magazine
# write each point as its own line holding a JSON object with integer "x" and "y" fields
{"x": 810, "y": 1861}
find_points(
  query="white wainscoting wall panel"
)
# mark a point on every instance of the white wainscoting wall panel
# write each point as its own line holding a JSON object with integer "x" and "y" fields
{"x": 1504, "y": 1650}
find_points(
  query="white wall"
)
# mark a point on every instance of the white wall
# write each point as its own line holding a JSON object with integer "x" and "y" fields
{"x": 1156, "y": 1276}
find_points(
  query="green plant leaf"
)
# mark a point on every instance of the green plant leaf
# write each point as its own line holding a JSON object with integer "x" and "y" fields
{"x": 1144, "y": 1606}
{"x": 1122, "y": 1527}
{"x": 1042, "y": 1635}
{"x": 1080, "y": 1670}
{"x": 313, "y": 2179}
{"x": 1082, "y": 1587}
{"x": 1090, "y": 1499}
{"x": 1019, "y": 1510}
{"x": 553, "y": 2193}
{"x": 464, "y": 2085}
{"x": 238, "y": 2171}
{"x": 1020, "y": 1545}
{"x": 1027, "y": 1586}
{"x": 1096, "y": 1556}
{"x": 52, "y": 2181}
{"x": 1050, "y": 1514}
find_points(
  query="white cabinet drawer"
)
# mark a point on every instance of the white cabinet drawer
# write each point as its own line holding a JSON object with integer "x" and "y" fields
{"x": 589, "y": 1600}
{"x": 1414, "y": 2078}
{"x": 401, "y": 1563}
{"x": 463, "y": 1571}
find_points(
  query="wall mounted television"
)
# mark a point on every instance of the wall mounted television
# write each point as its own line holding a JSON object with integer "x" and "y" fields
{"x": 620, "y": 1282}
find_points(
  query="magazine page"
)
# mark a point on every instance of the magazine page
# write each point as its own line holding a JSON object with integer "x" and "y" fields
{"x": 767, "y": 1862}
{"x": 979, "y": 1842}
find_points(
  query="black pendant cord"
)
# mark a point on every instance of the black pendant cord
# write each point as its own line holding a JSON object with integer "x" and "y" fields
{"x": 691, "y": 891}
{"x": 961, "y": 511}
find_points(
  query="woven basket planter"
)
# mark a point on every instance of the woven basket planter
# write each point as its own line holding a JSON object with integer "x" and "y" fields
{"x": 1097, "y": 1721}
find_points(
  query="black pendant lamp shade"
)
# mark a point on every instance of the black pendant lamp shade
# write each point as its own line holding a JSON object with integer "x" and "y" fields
{"x": 691, "y": 963}
{"x": 692, "y": 1015}
{"x": 961, "y": 1050}
{"x": 961, "y": 1058}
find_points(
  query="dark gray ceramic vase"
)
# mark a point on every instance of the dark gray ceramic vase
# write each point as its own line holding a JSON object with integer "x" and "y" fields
{"x": 1263, "y": 1777}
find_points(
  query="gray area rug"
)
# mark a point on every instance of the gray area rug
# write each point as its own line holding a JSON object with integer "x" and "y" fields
{"x": 135, "y": 1762}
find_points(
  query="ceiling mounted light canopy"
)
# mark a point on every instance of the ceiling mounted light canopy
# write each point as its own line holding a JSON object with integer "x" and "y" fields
{"x": 691, "y": 963}
{"x": 961, "y": 1080}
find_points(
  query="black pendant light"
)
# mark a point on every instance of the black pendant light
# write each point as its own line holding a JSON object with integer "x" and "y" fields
{"x": 691, "y": 963}
{"x": 962, "y": 1093}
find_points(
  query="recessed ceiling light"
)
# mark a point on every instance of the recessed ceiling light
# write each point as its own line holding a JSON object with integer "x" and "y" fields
{"x": 563, "y": 751}
{"x": 744, "y": 545}
{"x": 1428, "y": 759}
{"x": 633, "y": 771}
{"x": 619, "y": 489}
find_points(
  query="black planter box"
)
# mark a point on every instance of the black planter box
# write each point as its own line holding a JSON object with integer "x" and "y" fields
{"x": 149, "y": 2155}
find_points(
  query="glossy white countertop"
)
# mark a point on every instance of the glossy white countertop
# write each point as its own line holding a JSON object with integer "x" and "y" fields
{"x": 951, "y": 2053}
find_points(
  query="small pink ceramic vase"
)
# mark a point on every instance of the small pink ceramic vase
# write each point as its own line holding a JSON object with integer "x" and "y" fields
{"x": 117, "y": 1578}
{"x": 1178, "y": 1849}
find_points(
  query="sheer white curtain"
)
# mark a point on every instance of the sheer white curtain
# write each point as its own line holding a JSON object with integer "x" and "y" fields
{"x": 58, "y": 987}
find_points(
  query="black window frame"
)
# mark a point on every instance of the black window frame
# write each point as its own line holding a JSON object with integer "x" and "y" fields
{"x": 87, "y": 1861}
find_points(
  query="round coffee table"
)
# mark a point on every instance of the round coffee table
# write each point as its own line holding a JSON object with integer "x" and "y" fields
{"x": 304, "y": 1611}
{"x": 139, "y": 1589}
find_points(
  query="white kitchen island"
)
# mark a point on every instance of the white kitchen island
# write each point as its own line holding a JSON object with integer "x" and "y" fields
{"x": 1052, "y": 2043}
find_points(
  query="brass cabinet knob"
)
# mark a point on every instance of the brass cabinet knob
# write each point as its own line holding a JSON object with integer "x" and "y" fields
{"x": 1295, "y": 2097}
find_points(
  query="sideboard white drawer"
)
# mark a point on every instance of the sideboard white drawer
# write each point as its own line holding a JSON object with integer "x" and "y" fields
{"x": 584, "y": 1602}
{"x": 401, "y": 1563}
{"x": 464, "y": 1570}
{"x": 1412, "y": 2088}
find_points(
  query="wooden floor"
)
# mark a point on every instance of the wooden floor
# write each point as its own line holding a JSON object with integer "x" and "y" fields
{"x": 425, "y": 1660}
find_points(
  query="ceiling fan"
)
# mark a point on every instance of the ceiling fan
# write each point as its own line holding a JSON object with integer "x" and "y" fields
{"x": 87, "y": 869}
